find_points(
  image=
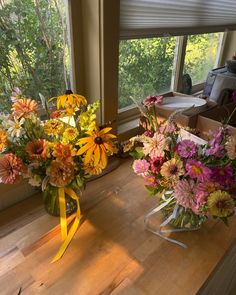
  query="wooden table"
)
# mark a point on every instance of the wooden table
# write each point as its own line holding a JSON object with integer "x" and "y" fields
{"x": 111, "y": 253}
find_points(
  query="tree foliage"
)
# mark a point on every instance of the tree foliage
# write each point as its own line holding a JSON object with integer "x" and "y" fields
{"x": 146, "y": 65}
{"x": 33, "y": 48}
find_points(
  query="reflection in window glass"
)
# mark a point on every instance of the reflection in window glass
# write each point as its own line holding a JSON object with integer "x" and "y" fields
{"x": 34, "y": 48}
{"x": 145, "y": 68}
{"x": 200, "y": 55}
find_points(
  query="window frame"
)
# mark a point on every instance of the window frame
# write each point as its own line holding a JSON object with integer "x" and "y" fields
{"x": 132, "y": 113}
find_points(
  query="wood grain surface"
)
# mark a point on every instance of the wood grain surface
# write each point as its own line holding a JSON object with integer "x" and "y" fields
{"x": 111, "y": 253}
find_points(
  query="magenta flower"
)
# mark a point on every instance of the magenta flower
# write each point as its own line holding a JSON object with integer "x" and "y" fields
{"x": 215, "y": 147}
{"x": 150, "y": 101}
{"x": 195, "y": 169}
{"x": 148, "y": 133}
{"x": 156, "y": 164}
{"x": 187, "y": 148}
{"x": 141, "y": 166}
{"x": 150, "y": 180}
{"x": 223, "y": 175}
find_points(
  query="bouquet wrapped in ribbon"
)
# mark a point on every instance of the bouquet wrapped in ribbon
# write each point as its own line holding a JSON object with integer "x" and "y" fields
{"x": 58, "y": 154}
{"x": 193, "y": 179}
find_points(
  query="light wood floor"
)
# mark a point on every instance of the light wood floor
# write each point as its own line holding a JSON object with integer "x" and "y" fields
{"x": 111, "y": 252}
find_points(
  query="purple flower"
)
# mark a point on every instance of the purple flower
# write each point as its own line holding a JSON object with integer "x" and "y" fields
{"x": 16, "y": 93}
{"x": 195, "y": 169}
{"x": 223, "y": 175}
{"x": 150, "y": 101}
{"x": 140, "y": 166}
{"x": 187, "y": 148}
{"x": 216, "y": 149}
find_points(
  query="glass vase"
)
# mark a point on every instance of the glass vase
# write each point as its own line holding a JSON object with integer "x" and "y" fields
{"x": 51, "y": 202}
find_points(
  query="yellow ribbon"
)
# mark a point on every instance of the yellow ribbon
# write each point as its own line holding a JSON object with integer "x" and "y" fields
{"x": 66, "y": 237}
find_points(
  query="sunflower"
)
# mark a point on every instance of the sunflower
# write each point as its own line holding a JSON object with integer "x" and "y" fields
{"x": 70, "y": 100}
{"x": 97, "y": 145}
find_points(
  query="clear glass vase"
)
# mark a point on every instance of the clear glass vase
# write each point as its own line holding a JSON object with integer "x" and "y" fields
{"x": 51, "y": 202}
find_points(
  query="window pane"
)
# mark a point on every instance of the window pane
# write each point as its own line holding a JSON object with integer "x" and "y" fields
{"x": 34, "y": 48}
{"x": 145, "y": 68}
{"x": 200, "y": 55}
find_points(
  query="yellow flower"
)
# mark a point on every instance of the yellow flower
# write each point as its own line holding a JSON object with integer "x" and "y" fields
{"x": 172, "y": 169}
{"x": 70, "y": 101}
{"x": 70, "y": 134}
{"x": 220, "y": 204}
{"x": 93, "y": 170}
{"x": 3, "y": 140}
{"x": 97, "y": 145}
{"x": 53, "y": 127}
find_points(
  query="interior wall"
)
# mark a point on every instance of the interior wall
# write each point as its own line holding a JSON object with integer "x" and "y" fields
{"x": 230, "y": 47}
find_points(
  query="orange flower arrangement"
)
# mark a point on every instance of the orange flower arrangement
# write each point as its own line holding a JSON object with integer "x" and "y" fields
{"x": 58, "y": 154}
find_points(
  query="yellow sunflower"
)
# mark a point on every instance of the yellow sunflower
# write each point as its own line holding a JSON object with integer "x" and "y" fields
{"x": 70, "y": 100}
{"x": 97, "y": 145}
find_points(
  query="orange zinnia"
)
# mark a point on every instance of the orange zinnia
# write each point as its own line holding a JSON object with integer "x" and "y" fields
{"x": 3, "y": 140}
{"x": 96, "y": 147}
{"x": 37, "y": 149}
{"x": 64, "y": 152}
{"x": 23, "y": 107}
{"x": 60, "y": 174}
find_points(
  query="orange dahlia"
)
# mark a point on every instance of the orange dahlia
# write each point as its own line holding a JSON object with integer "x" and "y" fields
{"x": 97, "y": 145}
{"x": 11, "y": 169}
{"x": 37, "y": 149}
{"x": 64, "y": 152}
{"x": 23, "y": 107}
{"x": 60, "y": 174}
{"x": 3, "y": 140}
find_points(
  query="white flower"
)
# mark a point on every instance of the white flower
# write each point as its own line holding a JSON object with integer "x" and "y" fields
{"x": 14, "y": 128}
{"x": 35, "y": 180}
{"x": 230, "y": 147}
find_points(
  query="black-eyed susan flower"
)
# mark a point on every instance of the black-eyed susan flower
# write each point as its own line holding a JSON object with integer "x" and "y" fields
{"x": 96, "y": 146}
{"x": 70, "y": 100}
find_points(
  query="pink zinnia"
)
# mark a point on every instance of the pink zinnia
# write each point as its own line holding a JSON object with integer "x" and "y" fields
{"x": 150, "y": 101}
{"x": 184, "y": 193}
{"x": 140, "y": 166}
{"x": 206, "y": 188}
{"x": 151, "y": 180}
{"x": 11, "y": 169}
{"x": 195, "y": 169}
{"x": 156, "y": 164}
{"x": 187, "y": 148}
{"x": 154, "y": 146}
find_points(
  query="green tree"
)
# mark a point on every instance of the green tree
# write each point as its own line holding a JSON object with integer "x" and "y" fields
{"x": 33, "y": 48}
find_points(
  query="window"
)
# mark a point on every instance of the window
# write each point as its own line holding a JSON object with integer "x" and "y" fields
{"x": 145, "y": 68}
{"x": 34, "y": 48}
{"x": 200, "y": 57}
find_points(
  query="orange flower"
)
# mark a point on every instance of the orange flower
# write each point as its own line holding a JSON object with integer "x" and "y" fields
{"x": 60, "y": 174}
{"x": 3, "y": 140}
{"x": 23, "y": 107}
{"x": 37, "y": 149}
{"x": 11, "y": 169}
{"x": 64, "y": 152}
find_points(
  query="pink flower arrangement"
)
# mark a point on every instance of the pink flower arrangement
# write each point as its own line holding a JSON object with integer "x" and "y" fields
{"x": 199, "y": 177}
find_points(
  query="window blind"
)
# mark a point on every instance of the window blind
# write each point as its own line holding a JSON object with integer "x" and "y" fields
{"x": 149, "y": 18}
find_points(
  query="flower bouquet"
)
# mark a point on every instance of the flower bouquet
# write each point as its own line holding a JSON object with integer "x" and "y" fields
{"x": 193, "y": 179}
{"x": 58, "y": 154}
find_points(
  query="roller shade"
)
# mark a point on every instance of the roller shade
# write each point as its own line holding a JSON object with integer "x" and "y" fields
{"x": 149, "y": 18}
